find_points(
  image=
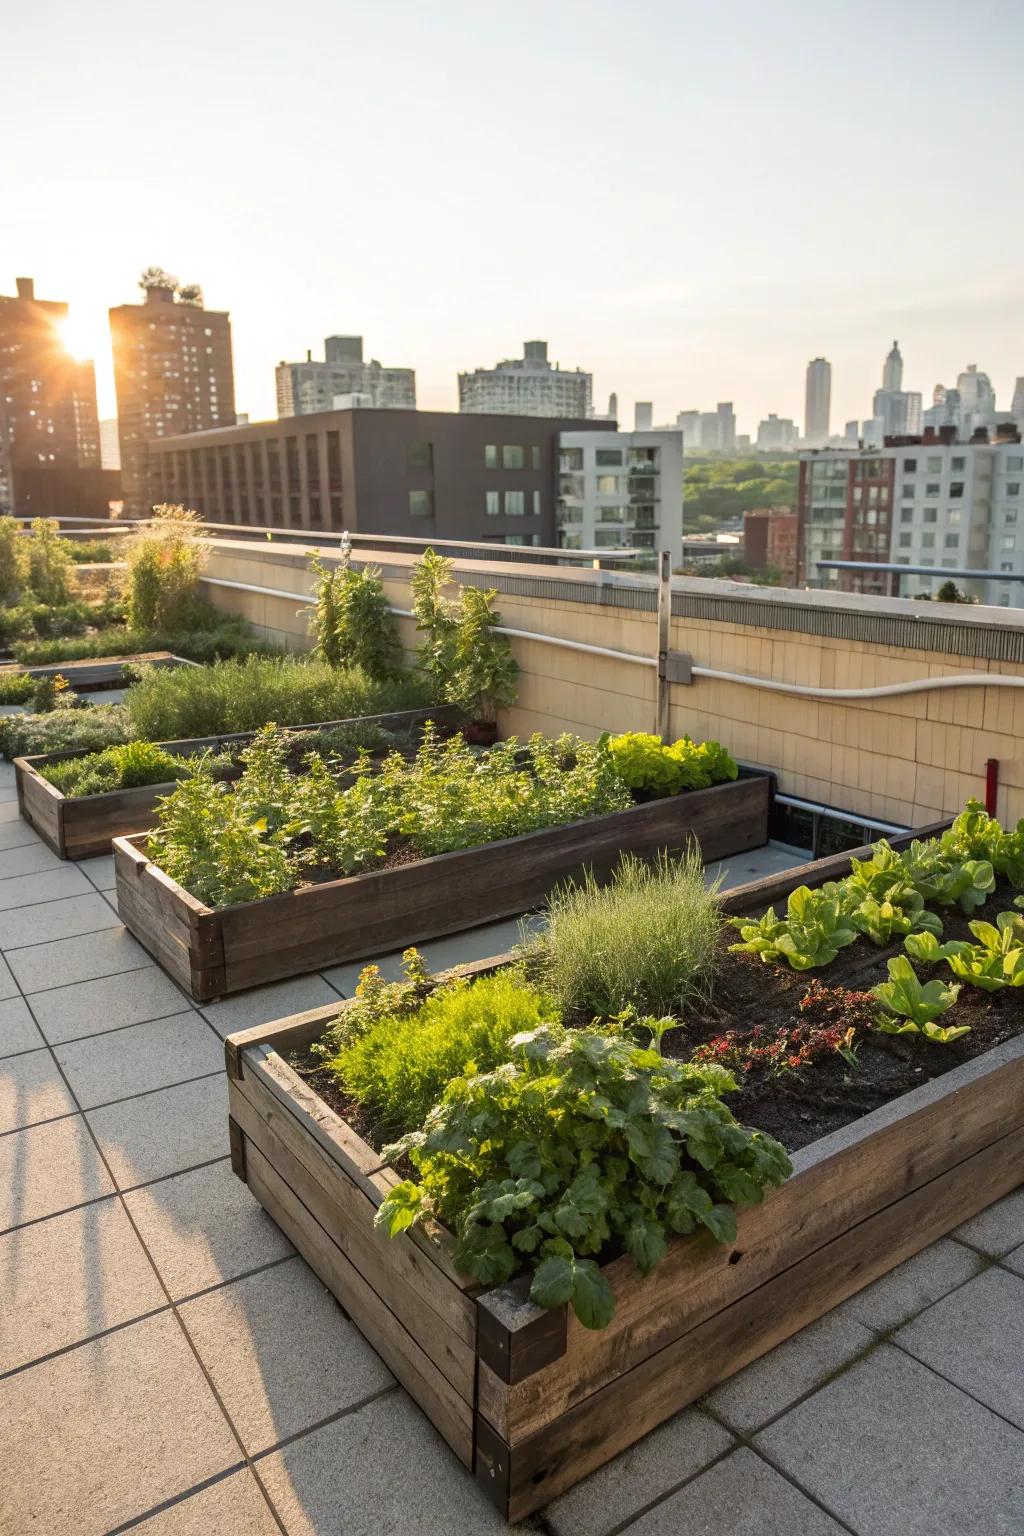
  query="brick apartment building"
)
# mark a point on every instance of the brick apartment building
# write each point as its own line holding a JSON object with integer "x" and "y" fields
{"x": 420, "y": 474}
{"x": 49, "y": 426}
{"x": 173, "y": 374}
{"x": 771, "y": 540}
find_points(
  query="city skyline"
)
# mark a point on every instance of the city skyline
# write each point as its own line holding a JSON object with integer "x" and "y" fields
{"x": 721, "y": 274}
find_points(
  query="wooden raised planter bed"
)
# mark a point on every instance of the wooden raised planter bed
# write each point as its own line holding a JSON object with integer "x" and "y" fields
{"x": 101, "y": 671}
{"x": 216, "y": 951}
{"x": 528, "y": 1399}
{"x": 79, "y": 828}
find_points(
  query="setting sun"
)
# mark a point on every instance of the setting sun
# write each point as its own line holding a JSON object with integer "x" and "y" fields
{"x": 79, "y": 337}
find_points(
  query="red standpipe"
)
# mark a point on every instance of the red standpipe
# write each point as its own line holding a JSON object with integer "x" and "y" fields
{"x": 991, "y": 784}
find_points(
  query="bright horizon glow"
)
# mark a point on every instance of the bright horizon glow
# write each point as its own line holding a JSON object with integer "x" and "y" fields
{"x": 689, "y": 201}
{"x": 80, "y": 337}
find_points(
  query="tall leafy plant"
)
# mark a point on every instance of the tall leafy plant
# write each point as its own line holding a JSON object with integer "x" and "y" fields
{"x": 484, "y": 671}
{"x": 165, "y": 557}
{"x": 48, "y": 564}
{"x": 12, "y": 561}
{"x": 437, "y": 616}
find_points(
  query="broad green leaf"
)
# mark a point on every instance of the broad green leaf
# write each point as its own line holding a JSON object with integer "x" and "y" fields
{"x": 592, "y": 1298}
{"x": 552, "y": 1284}
{"x": 721, "y": 1222}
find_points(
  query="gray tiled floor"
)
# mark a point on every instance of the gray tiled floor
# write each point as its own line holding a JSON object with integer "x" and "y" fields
{"x": 195, "y": 1379}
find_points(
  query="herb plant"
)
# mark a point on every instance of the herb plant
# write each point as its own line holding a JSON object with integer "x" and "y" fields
{"x": 16, "y": 687}
{"x": 12, "y": 560}
{"x": 647, "y": 765}
{"x": 165, "y": 556}
{"x": 130, "y": 766}
{"x": 581, "y": 1141}
{"x": 48, "y": 564}
{"x": 904, "y": 996}
{"x": 778, "y": 1051}
{"x": 646, "y": 940}
{"x": 352, "y": 622}
{"x": 64, "y": 730}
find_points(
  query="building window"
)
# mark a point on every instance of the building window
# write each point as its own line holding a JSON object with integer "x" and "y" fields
{"x": 1007, "y": 565}
{"x": 909, "y": 466}
{"x": 927, "y": 541}
{"x": 609, "y": 485}
{"x": 930, "y": 514}
{"x": 957, "y": 465}
{"x": 935, "y": 466}
{"x": 421, "y": 456}
{"x": 608, "y": 456}
{"x": 952, "y": 541}
{"x": 535, "y": 457}
{"x": 1009, "y": 543}
{"x": 907, "y": 515}
{"x": 909, "y": 491}
{"x": 1015, "y": 462}
{"x": 570, "y": 541}
{"x": 513, "y": 457}
{"x": 515, "y": 504}
{"x": 933, "y": 490}
{"x": 493, "y": 503}
{"x": 536, "y": 503}
{"x": 953, "y": 515}
{"x": 906, "y": 539}
{"x": 1013, "y": 488}
{"x": 956, "y": 489}
{"x": 421, "y": 503}
{"x": 491, "y": 456}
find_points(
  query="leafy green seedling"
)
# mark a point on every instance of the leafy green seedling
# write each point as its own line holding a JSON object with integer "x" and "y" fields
{"x": 904, "y": 996}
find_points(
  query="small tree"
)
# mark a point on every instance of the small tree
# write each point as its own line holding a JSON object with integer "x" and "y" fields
{"x": 12, "y": 561}
{"x": 49, "y": 564}
{"x": 949, "y": 592}
{"x": 165, "y": 557}
{"x": 325, "y": 611}
{"x": 484, "y": 671}
{"x": 367, "y": 630}
{"x": 437, "y": 617}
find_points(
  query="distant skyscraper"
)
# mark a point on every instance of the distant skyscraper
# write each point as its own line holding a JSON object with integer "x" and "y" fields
{"x": 818, "y": 402}
{"x": 1017, "y": 404}
{"x": 776, "y": 432}
{"x": 172, "y": 373}
{"x": 613, "y": 407}
{"x": 689, "y": 424}
{"x": 110, "y": 448}
{"x": 726, "y": 425}
{"x": 305, "y": 388}
{"x": 527, "y": 386}
{"x": 892, "y": 373}
{"x": 643, "y": 416}
{"x": 49, "y": 430}
{"x": 977, "y": 399}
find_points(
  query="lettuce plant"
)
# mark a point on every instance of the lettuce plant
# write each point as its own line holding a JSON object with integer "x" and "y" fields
{"x": 884, "y": 921}
{"x": 816, "y": 927}
{"x": 996, "y": 961}
{"x": 941, "y": 877}
{"x": 581, "y": 1142}
{"x": 977, "y": 835}
{"x": 904, "y": 996}
{"x": 647, "y": 764}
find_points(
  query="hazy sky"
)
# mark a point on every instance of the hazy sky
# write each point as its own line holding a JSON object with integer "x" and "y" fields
{"x": 688, "y": 197}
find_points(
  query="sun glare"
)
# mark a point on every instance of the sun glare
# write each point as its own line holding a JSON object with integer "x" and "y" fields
{"x": 78, "y": 338}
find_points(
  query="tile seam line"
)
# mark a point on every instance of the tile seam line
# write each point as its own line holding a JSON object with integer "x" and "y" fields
{"x": 177, "y": 1498}
{"x": 957, "y": 1387}
{"x": 662, "y": 1498}
{"x": 89, "y": 933}
{"x": 787, "y": 1477}
{"x": 201, "y": 1077}
{"x": 179, "y": 1321}
{"x": 111, "y": 1194}
{"x": 116, "y": 1029}
{"x": 61, "y": 986}
{"x": 30, "y": 906}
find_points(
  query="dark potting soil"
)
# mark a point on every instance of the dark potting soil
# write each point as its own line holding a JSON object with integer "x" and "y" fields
{"x": 802, "y": 1105}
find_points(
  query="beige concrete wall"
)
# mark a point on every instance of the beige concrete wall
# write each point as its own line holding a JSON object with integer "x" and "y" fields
{"x": 907, "y": 759}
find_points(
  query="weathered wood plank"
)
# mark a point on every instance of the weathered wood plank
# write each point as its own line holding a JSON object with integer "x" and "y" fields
{"x": 450, "y": 1413}
{"x": 577, "y": 1442}
{"x": 437, "y": 1314}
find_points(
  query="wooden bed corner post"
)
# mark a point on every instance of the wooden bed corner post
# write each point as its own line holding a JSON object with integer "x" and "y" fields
{"x": 236, "y": 1137}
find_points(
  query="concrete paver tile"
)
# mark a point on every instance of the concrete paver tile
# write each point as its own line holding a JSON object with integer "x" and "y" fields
{"x": 93, "y": 1265}
{"x": 999, "y": 1228}
{"x": 31, "y": 1089}
{"x": 894, "y": 1450}
{"x": 140, "y": 1058}
{"x": 910, "y": 1287}
{"x": 29, "y": 859}
{"x": 763, "y": 1389}
{"x": 8, "y": 985}
{"x": 262, "y": 1005}
{"x": 17, "y": 1028}
{"x": 100, "y": 871}
{"x": 203, "y": 1227}
{"x": 644, "y": 1472}
{"x": 332, "y": 1479}
{"x": 104, "y": 1432}
{"x": 739, "y": 1496}
{"x": 108, "y": 1002}
{"x": 55, "y": 920}
{"x": 232, "y": 1507}
{"x": 281, "y": 1353}
{"x": 62, "y": 962}
{"x": 164, "y": 1132}
{"x": 48, "y": 1168}
{"x": 975, "y": 1338}
{"x": 50, "y": 885}
{"x": 15, "y": 833}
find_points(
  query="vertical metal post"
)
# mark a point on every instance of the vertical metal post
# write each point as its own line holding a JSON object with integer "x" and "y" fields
{"x": 661, "y": 727}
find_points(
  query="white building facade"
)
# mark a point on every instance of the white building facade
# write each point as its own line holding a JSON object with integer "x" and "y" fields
{"x": 619, "y": 490}
{"x": 303, "y": 389}
{"x": 528, "y": 386}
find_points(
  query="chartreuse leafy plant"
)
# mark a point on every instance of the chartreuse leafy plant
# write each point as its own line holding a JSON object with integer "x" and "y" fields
{"x": 977, "y": 835}
{"x": 884, "y": 921}
{"x": 130, "y": 766}
{"x": 400, "y": 1065}
{"x": 919, "y": 1005}
{"x": 816, "y": 927}
{"x": 16, "y": 687}
{"x": 580, "y": 1143}
{"x": 995, "y": 962}
{"x": 944, "y": 879}
{"x": 647, "y": 764}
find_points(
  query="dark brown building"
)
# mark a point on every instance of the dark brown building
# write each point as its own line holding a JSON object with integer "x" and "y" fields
{"x": 771, "y": 541}
{"x": 416, "y": 473}
{"x": 173, "y": 374}
{"x": 49, "y": 427}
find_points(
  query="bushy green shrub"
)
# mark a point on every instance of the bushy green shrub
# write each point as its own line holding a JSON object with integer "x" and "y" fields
{"x": 400, "y": 1066}
{"x": 648, "y": 765}
{"x": 470, "y": 661}
{"x": 91, "y": 552}
{"x": 437, "y": 616}
{"x": 16, "y": 687}
{"x": 12, "y": 560}
{"x": 165, "y": 556}
{"x": 64, "y": 730}
{"x": 211, "y": 636}
{"x": 130, "y": 766}
{"x": 582, "y": 1143}
{"x": 351, "y": 620}
{"x": 242, "y": 695}
{"x": 646, "y": 940}
{"x": 49, "y": 564}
